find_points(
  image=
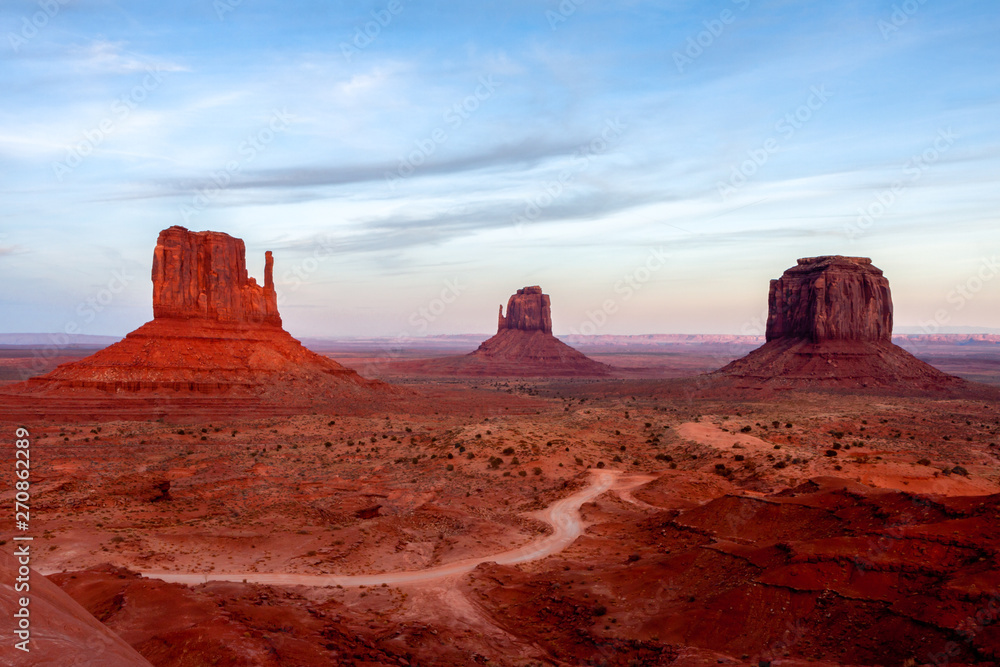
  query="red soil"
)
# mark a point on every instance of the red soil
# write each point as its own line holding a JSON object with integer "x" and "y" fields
{"x": 788, "y": 363}
{"x": 511, "y": 353}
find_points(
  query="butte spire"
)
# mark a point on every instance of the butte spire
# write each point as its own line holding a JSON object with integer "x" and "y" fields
{"x": 215, "y": 333}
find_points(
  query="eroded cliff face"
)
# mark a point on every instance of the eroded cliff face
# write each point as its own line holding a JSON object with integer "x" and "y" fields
{"x": 204, "y": 275}
{"x": 527, "y": 310}
{"x": 830, "y": 298}
{"x": 830, "y": 327}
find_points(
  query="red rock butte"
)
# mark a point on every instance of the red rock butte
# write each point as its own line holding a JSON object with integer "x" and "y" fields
{"x": 215, "y": 332}
{"x": 829, "y": 326}
{"x": 522, "y": 347}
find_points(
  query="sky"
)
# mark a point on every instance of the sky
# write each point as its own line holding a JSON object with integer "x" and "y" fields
{"x": 651, "y": 164}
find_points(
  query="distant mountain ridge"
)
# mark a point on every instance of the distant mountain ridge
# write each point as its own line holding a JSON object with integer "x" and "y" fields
{"x": 454, "y": 341}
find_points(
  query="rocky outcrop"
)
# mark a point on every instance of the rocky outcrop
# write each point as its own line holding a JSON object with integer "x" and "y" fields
{"x": 522, "y": 347}
{"x": 61, "y": 632}
{"x": 829, "y": 326}
{"x": 830, "y": 298}
{"x": 527, "y": 310}
{"x": 215, "y": 333}
{"x": 204, "y": 275}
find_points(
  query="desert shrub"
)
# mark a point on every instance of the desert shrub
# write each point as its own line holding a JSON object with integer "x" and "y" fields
{"x": 738, "y": 457}
{"x": 746, "y": 429}
{"x": 600, "y": 464}
{"x": 924, "y": 462}
{"x": 522, "y": 473}
{"x": 831, "y": 452}
{"x": 537, "y": 471}
{"x": 470, "y": 455}
{"x": 780, "y": 464}
{"x": 599, "y": 610}
{"x": 508, "y": 451}
{"x": 449, "y": 467}
{"x": 959, "y": 470}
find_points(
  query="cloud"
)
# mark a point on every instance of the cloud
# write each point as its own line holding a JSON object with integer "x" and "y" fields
{"x": 528, "y": 151}
{"x": 106, "y": 56}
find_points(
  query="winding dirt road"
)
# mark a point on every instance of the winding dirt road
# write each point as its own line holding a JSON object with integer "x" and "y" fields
{"x": 563, "y": 515}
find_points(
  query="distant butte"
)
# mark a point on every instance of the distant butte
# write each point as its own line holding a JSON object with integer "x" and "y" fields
{"x": 829, "y": 325}
{"x": 522, "y": 347}
{"x": 527, "y": 310}
{"x": 215, "y": 332}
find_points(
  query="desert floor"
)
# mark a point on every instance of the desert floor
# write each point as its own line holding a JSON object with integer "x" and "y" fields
{"x": 553, "y": 522}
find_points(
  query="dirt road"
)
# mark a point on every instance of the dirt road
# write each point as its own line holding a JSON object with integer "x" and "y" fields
{"x": 563, "y": 515}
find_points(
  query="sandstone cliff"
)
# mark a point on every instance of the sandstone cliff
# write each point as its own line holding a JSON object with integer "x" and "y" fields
{"x": 831, "y": 298}
{"x": 204, "y": 275}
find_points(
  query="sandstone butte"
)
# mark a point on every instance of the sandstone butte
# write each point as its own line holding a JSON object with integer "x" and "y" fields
{"x": 522, "y": 347}
{"x": 215, "y": 332}
{"x": 829, "y": 326}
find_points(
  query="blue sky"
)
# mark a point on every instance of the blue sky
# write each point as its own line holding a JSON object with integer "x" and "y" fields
{"x": 412, "y": 163}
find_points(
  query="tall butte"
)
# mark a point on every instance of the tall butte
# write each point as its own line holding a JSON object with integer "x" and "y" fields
{"x": 215, "y": 332}
{"x": 829, "y": 326}
{"x": 522, "y": 347}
